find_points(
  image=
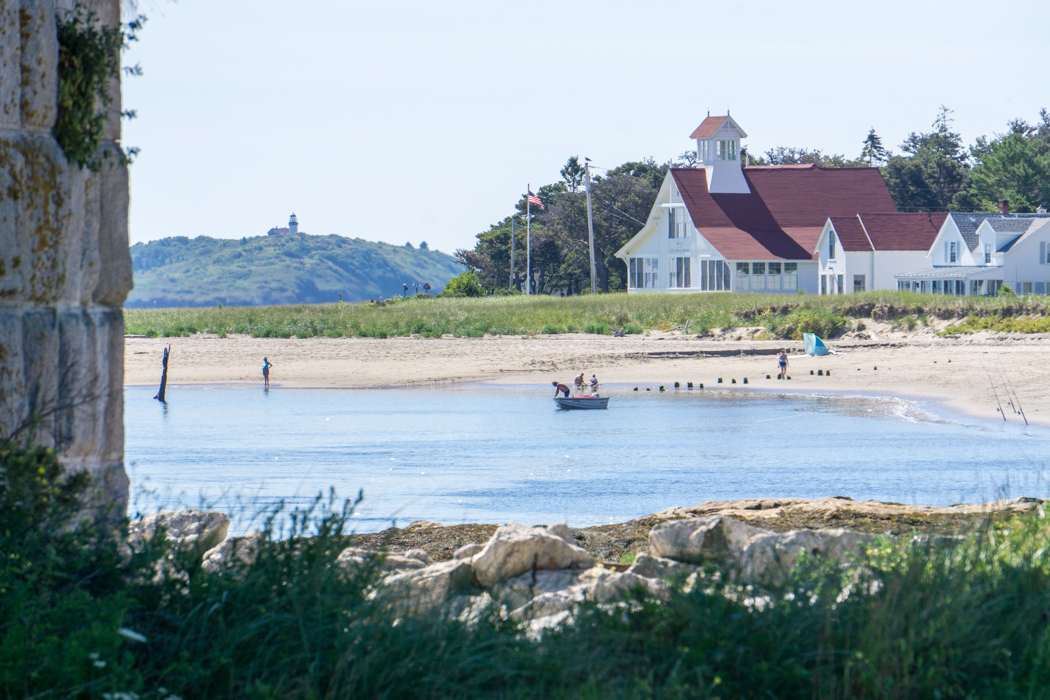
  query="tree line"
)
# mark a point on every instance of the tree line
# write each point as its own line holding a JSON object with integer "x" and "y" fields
{"x": 933, "y": 171}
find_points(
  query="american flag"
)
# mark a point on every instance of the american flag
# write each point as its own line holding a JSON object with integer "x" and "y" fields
{"x": 533, "y": 199}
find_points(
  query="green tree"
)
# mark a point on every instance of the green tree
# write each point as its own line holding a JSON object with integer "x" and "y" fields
{"x": 573, "y": 173}
{"x": 932, "y": 170}
{"x": 873, "y": 151}
{"x": 1014, "y": 167}
{"x": 789, "y": 155}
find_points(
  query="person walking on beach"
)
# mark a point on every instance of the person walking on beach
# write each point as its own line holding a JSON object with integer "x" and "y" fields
{"x": 783, "y": 359}
{"x": 560, "y": 388}
{"x": 266, "y": 373}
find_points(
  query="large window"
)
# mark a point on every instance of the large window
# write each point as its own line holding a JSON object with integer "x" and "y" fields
{"x": 714, "y": 276}
{"x": 790, "y": 275}
{"x": 824, "y": 284}
{"x": 676, "y": 223}
{"x": 758, "y": 277}
{"x": 642, "y": 273}
{"x": 858, "y": 283}
{"x": 841, "y": 287}
{"x": 773, "y": 279}
{"x": 743, "y": 272}
{"x": 681, "y": 277}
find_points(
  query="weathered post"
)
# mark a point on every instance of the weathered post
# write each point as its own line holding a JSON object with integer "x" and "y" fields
{"x": 163, "y": 376}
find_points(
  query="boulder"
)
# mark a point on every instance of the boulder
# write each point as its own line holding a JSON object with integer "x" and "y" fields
{"x": 562, "y": 530}
{"x": 354, "y": 557}
{"x": 233, "y": 551}
{"x": 515, "y": 549}
{"x": 770, "y": 555}
{"x": 427, "y": 587}
{"x": 189, "y": 530}
{"x": 522, "y": 590}
{"x": 697, "y": 540}
{"x": 649, "y": 566}
{"x": 467, "y": 551}
{"x": 420, "y": 555}
{"x": 604, "y": 585}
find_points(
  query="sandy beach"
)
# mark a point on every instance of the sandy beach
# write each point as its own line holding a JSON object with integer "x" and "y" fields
{"x": 959, "y": 373}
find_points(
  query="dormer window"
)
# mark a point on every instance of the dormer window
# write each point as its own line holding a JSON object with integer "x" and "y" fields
{"x": 987, "y": 253}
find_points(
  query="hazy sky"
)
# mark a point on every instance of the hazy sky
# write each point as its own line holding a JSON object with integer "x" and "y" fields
{"x": 405, "y": 121}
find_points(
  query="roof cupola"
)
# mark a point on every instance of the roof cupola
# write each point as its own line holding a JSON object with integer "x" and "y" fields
{"x": 718, "y": 151}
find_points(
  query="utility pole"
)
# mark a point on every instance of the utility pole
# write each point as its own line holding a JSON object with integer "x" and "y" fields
{"x": 590, "y": 225}
{"x": 512, "y": 252}
{"x": 528, "y": 240}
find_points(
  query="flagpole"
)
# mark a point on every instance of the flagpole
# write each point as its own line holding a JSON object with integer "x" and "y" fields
{"x": 528, "y": 241}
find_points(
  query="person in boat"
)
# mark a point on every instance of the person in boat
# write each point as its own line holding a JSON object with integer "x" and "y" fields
{"x": 560, "y": 388}
{"x": 783, "y": 360}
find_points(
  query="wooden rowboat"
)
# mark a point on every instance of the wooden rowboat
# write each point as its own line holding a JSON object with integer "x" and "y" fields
{"x": 571, "y": 402}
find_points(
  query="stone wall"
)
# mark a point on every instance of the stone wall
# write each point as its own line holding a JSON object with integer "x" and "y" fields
{"x": 64, "y": 263}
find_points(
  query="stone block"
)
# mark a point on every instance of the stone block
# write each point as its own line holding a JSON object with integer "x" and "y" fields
{"x": 12, "y": 263}
{"x": 110, "y": 343}
{"x": 12, "y": 372}
{"x": 89, "y": 253}
{"x": 44, "y": 213}
{"x": 10, "y": 64}
{"x": 40, "y": 369}
{"x": 39, "y": 64}
{"x": 114, "y": 256}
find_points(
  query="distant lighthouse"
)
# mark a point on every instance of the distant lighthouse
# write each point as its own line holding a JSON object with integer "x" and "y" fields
{"x": 293, "y": 224}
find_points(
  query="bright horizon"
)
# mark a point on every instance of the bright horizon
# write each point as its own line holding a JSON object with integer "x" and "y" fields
{"x": 408, "y": 121}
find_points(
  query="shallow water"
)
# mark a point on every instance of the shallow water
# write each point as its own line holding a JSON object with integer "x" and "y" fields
{"x": 498, "y": 454}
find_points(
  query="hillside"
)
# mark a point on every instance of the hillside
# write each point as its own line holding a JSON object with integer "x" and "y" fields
{"x": 284, "y": 269}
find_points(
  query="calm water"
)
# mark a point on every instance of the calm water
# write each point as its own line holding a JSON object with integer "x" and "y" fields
{"x": 495, "y": 454}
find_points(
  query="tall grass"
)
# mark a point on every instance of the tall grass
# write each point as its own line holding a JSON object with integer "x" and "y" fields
{"x": 781, "y": 316}
{"x": 80, "y": 617}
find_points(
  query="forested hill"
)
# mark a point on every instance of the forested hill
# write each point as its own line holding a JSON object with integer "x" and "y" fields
{"x": 281, "y": 269}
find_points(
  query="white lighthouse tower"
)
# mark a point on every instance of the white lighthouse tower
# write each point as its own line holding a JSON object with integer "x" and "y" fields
{"x": 293, "y": 224}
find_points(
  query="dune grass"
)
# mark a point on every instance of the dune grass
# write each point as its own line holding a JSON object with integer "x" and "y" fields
{"x": 82, "y": 618}
{"x": 780, "y": 316}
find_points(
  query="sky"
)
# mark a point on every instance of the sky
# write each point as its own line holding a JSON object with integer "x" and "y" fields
{"x": 408, "y": 121}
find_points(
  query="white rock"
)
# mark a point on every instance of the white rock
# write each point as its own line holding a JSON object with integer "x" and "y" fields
{"x": 605, "y": 585}
{"x": 419, "y": 554}
{"x": 234, "y": 550}
{"x": 649, "y": 566}
{"x": 468, "y": 551}
{"x": 515, "y": 549}
{"x": 353, "y": 557}
{"x": 424, "y": 588}
{"x": 522, "y": 590}
{"x": 697, "y": 540}
{"x": 562, "y": 530}
{"x": 771, "y": 555}
{"x": 540, "y": 625}
{"x": 186, "y": 530}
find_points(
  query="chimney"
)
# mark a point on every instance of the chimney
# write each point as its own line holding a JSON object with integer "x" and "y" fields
{"x": 1004, "y": 207}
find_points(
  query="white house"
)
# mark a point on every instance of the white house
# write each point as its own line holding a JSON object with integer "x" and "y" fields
{"x": 866, "y": 251}
{"x": 976, "y": 254}
{"x": 724, "y": 227}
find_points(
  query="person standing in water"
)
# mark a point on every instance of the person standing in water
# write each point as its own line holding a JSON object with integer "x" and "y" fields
{"x": 266, "y": 373}
{"x": 594, "y": 383}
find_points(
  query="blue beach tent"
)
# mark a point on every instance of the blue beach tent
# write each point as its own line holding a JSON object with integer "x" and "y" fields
{"x": 814, "y": 345}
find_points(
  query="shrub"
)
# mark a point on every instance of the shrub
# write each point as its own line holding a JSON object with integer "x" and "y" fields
{"x": 466, "y": 285}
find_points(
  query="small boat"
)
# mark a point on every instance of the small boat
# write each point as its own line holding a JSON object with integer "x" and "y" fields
{"x": 594, "y": 401}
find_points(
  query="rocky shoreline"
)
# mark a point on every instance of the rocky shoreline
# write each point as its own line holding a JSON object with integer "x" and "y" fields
{"x": 610, "y": 543}
{"x": 540, "y": 575}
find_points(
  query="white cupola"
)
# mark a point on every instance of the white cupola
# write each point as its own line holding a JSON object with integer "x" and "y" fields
{"x": 718, "y": 151}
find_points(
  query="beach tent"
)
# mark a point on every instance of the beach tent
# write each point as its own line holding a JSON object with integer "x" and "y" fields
{"x": 814, "y": 345}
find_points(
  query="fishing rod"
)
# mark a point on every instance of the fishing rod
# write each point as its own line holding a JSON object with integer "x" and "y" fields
{"x": 996, "y": 393}
{"x": 1006, "y": 388}
{"x": 1018, "y": 398}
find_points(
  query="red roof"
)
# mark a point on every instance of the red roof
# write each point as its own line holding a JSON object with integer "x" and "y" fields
{"x": 912, "y": 231}
{"x": 786, "y": 210}
{"x": 851, "y": 234}
{"x": 708, "y": 127}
